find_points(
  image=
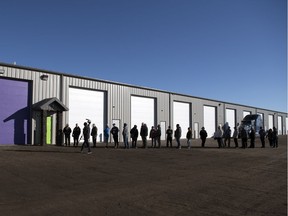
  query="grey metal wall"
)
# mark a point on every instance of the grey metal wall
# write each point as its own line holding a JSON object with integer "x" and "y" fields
{"x": 119, "y": 95}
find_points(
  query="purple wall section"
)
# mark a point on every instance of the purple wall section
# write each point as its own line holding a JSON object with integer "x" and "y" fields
{"x": 14, "y": 112}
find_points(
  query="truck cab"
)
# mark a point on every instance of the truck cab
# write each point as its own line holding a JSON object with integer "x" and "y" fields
{"x": 252, "y": 121}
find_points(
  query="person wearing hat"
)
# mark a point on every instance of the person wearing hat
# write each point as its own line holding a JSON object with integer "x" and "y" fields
{"x": 114, "y": 131}
{"x": 203, "y": 136}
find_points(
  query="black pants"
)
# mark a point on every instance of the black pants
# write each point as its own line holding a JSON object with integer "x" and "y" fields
{"x": 203, "y": 141}
{"x": 86, "y": 144}
{"x": 236, "y": 142}
{"x": 116, "y": 142}
{"x": 169, "y": 140}
{"x": 144, "y": 140}
{"x": 262, "y": 141}
{"x": 67, "y": 140}
{"x": 76, "y": 141}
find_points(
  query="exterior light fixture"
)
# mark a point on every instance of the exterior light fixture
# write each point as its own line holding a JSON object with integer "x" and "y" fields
{"x": 2, "y": 71}
{"x": 44, "y": 77}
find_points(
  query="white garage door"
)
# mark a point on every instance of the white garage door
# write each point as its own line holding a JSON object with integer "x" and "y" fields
{"x": 286, "y": 126}
{"x": 181, "y": 116}
{"x": 230, "y": 118}
{"x": 280, "y": 125}
{"x": 270, "y": 121}
{"x": 142, "y": 110}
{"x": 86, "y": 104}
{"x": 210, "y": 120}
{"x": 246, "y": 113}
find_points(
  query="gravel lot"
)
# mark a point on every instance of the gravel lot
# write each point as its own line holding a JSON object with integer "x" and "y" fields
{"x": 52, "y": 180}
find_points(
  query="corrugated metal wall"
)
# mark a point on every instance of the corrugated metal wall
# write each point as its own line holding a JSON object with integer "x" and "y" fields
{"x": 119, "y": 95}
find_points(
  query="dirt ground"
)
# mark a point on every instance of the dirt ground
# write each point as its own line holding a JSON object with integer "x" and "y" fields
{"x": 51, "y": 180}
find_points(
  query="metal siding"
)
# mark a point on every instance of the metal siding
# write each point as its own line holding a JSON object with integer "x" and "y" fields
{"x": 118, "y": 95}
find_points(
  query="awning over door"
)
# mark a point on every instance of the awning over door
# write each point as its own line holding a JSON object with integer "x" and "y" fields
{"x": 47, "y": 107}
{"x": 51, "y": 105}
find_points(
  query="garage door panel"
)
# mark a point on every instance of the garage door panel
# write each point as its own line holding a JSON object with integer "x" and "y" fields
{"x": 230, "y": 118}
{"x": 15, "y": 111}
{"x": 86, "y": 104}
{"x": 210, "y": 120}
{"x": 181, "y": 116}
{"x": 142, "y": 110}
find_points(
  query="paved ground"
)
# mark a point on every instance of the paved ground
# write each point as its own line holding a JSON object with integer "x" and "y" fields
{"x": 53, "y": 180}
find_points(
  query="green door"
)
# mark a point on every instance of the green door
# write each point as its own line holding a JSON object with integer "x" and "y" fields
{"x": 49, "y": 130}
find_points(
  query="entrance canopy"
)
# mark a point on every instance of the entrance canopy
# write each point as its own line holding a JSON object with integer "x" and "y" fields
{"x": 50, "y": 104}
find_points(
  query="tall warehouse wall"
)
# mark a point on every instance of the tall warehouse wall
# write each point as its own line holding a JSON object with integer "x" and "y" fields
{"x": 106, "y": 102}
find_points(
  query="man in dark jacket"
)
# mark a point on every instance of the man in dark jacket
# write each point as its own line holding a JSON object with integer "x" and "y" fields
{"x": 134, "y": 135}
{"x": 177, "y": 135}
{"x": 76, "y": 133}
{"x": 203, "y": 136}
{"x": 114, "y": 131}
{"x": 94, "y": 133}
{"x": 67, "y": 132}
{"x": 169, "y": 133}
{"x": 252, "y": 138}
{"x": 144, "y": 134}
{"x": 86, "y": 135}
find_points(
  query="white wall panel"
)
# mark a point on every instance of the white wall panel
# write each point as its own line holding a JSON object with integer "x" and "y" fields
{"x": 286, "y": 127}
{"x": 210, "y": 120}
{"x": 246, "y": 113}
{"x": 86, "y": 104}
{"x": 280, "y": 126}
{"x": 142, "y": 110}
{"x": 181, "y": 116}
{"x": 230, "y": 118}
{"x": 270, "y": 121}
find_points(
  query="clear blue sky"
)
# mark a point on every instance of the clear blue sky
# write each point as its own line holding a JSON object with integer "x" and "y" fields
{"x": 228, "y": 50}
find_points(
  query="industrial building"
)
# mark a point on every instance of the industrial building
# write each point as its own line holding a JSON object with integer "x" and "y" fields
{"x": 36, "y": 104}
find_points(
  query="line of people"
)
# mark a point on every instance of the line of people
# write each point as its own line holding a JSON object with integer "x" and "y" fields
{"x": 222, "y": 135}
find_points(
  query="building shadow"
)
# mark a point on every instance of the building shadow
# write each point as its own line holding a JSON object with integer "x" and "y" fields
{"x": 21, "y": 118}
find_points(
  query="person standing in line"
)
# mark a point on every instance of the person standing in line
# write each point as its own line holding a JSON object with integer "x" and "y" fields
{"x": 203, "y": 136}
{"x": 227, "y": 136}
{"x": 169, "y": 133}
{"x": 177, "y": 135}
{"x": 244, "y": 138}
{"x": 125, "y": 136}
{"x": 144, "y": 134}
{"x": 235, "y": 137}
{"x": 270, "y": 137}
{"x": 158, "y": 135}
{"x": 75, "y": 134}
{"x": 114, "y": 131}
{"x": 86, "y": 135}
{"x": 94, "y": 133}
{"x": 262, "y": 134}
{"x": 106, "y": 135}
{"x": 189, "y": 137}
{"x": 218, "y": 136}
{"x": 252, "y": 138}
{"x": 134, "y": 136}
{"x": 67, "y": 132}
{"x": 153, "y": 135}
{"x": 275, "y": 137}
